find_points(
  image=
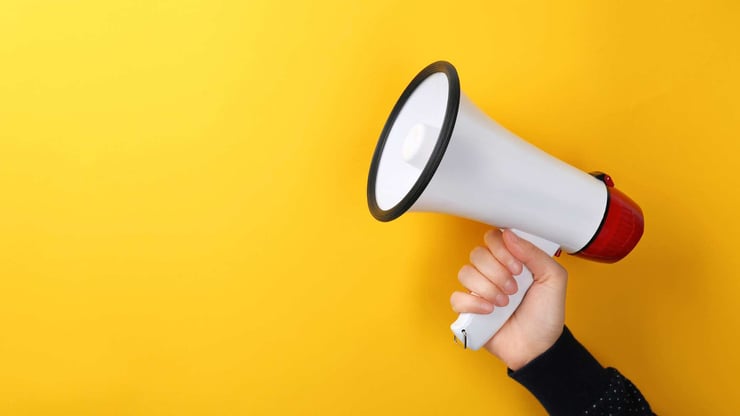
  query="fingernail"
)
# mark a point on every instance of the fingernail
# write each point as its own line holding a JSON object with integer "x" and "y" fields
{"x": 501, "y": 300}
{"x": 487, "y": 307}
{"x": 510, "y": 287}
{"x": 514, "y": 267}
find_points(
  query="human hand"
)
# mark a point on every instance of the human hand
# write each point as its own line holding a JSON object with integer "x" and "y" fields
{"x": 538, "y": 322}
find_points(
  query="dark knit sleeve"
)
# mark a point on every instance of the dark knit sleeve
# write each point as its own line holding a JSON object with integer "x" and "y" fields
{"x": 568, "y": 381}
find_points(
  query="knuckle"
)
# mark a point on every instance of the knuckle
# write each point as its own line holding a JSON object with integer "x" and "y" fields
{"x": 492, "y": 236}
{"x": 453, "y": 298}
{"x": 495, "y": 271}
{"x": 504, "y": 254}
{"x": 464, "y": 272}
{"x": 500, "y": 252}
{"x": 475, "y": 253}
{"x": 482, "y": 288}
{"x": 490, "y": 292}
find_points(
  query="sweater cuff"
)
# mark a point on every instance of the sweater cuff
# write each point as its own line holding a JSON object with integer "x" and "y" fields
{"x": 566, "y": 378}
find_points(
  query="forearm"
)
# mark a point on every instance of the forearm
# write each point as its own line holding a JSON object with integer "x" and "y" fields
{"x": 568, "y": 380}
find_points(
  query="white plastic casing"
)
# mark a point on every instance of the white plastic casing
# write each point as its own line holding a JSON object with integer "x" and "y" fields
{"x": 490, "y": 175}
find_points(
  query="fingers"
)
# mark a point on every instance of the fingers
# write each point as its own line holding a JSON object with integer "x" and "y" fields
{"x": 541, "y": 265}
{"x": 490, "y": 267}
{"x": 466, "y": 302}
{"x": 482, "y": 286}
{"x": 494, "y": 241}
{"x": 489, "y": 275}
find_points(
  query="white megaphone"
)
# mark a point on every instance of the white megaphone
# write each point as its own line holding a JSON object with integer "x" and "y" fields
{"x": 439, "y": 153}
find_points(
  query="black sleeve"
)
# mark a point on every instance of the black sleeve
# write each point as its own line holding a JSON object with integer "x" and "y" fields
{"x": 568, "y": 381}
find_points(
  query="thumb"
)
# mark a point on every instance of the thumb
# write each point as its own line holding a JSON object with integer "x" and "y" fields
{"x": 542, "y": 266}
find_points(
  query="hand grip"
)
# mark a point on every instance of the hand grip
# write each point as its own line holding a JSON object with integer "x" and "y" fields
{"x": 473, "y": 329}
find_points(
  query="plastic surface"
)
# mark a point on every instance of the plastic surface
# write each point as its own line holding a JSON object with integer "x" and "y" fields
{"x": 490, "y": 175}
{"x": 474, "y": 330}
{"x": 620, "y": 232}
{"x": 425, "y": 106}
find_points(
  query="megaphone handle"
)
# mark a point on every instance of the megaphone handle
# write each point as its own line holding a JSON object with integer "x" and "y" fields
{"x": 473, "y": 329}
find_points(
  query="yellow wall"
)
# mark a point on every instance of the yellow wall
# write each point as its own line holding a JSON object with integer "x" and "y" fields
{"x": 183, "y": 225}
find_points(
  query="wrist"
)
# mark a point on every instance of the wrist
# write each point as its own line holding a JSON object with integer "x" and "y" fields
{"x": 522, "y": 358}
{"x": 520, "y": 353}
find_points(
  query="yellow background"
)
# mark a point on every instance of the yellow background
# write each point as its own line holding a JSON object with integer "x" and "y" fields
{"x": 183, "y": 224}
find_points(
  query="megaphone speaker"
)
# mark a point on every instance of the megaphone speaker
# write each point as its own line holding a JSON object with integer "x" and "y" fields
{"x": 439, "y": 153}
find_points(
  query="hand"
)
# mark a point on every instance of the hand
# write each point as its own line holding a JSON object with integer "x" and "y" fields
{"x": 539, "y": 320}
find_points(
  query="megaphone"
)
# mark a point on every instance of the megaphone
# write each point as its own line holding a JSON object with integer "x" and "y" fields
{"x": 439, "y": 153}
